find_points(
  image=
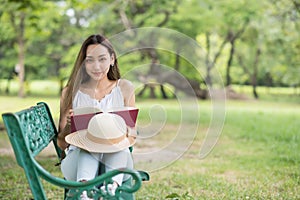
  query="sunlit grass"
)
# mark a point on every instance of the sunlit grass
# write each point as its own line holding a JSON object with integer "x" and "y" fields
{"x": 274, "y": 94}
{"x": 255, "y": 157}
{"x": 32, "y": 88}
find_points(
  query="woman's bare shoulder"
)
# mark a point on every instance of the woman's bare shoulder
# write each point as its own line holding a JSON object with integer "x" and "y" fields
{"x": 126, "y": 85}
{"x": 127, "y": 90}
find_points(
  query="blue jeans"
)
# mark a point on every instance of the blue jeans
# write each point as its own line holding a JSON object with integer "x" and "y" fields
{"x": 82, "y": 165}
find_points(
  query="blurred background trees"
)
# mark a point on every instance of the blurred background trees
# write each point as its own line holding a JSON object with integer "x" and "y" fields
{"x": 249, "y": 42}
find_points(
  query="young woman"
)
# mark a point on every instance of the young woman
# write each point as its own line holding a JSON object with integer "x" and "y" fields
{"x": 94, "y": 81}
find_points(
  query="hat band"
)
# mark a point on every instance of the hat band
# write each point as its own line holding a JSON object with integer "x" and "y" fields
{"x": 105, "y": 141}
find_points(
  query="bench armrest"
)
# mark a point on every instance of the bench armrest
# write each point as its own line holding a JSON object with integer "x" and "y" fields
{"x": 92, "y": 184}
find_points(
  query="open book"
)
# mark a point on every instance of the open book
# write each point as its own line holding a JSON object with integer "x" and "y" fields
{"x": 82, "y": 116}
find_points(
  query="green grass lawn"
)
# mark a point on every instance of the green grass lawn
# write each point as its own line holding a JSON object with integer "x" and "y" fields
{"x": 257, "y": 155}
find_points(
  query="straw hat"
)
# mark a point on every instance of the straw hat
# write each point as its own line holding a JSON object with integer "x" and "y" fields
{"x": 106, "y": 133}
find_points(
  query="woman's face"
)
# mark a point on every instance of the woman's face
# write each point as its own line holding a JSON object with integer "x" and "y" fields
{"x": 98, "y": 61}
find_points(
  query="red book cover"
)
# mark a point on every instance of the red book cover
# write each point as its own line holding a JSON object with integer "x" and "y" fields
{"x": 82, "y": 116}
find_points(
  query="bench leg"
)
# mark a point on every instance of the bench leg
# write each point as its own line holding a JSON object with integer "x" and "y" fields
{"x": 125, "y": 195}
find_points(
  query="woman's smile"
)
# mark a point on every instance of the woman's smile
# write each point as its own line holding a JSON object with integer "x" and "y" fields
{"x": 97, "y": 73}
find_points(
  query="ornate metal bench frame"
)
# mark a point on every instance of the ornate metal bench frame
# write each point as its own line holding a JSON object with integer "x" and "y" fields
{"x": 30, "y": 131}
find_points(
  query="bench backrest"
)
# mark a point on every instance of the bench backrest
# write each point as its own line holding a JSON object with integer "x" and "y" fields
{"x": 30, "y": 131}
{"x": 35, "y": 125}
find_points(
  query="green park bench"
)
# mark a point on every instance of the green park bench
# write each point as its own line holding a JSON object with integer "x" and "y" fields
{"x": 30, "y": 131}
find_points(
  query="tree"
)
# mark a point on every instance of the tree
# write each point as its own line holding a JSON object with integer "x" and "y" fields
{"x": 136, "y": 14}
{"x": 17, "y": 17}
{"x": 18, "y": 23}
{"x": 286, "y": 44}
{"x": 262, "y": 36}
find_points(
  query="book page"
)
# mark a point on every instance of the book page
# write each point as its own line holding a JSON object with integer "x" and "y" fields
{"x": 86, "y": 110}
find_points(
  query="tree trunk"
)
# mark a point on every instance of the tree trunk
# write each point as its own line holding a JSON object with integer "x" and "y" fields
{"x": 21, "y": 55}
{"x": 163, "y": 92}
{"x": 229, "y": 63}
{"x": 255, "y": 70}
{"x": 255, "y": 94}
{"x": 177, "y": 60}
{"x": 7, "y": 86}
{"x": 207, "y": 61}
{"x": 142, "y": 91}
{"x": 210, "y": 64}
{"x": 231, "y": 37}
{"x": 152, "y": 91}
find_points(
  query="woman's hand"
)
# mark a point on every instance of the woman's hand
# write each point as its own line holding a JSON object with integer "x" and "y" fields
{"x": 131, "y": 132}
{"x": 61, "y": 142}
{"x": 71, "y": 113}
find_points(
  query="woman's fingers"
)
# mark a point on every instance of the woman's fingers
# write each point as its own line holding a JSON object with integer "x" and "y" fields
{"x": 69, "y": 116}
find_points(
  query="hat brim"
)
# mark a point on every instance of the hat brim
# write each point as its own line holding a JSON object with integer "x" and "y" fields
{"x": 79, "y": 139}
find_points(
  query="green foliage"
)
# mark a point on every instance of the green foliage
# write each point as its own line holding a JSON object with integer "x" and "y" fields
{"x": 54, "y": 31}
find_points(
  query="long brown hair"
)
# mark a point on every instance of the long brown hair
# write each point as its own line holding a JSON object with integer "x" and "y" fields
{"x": 79, "y": 75}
